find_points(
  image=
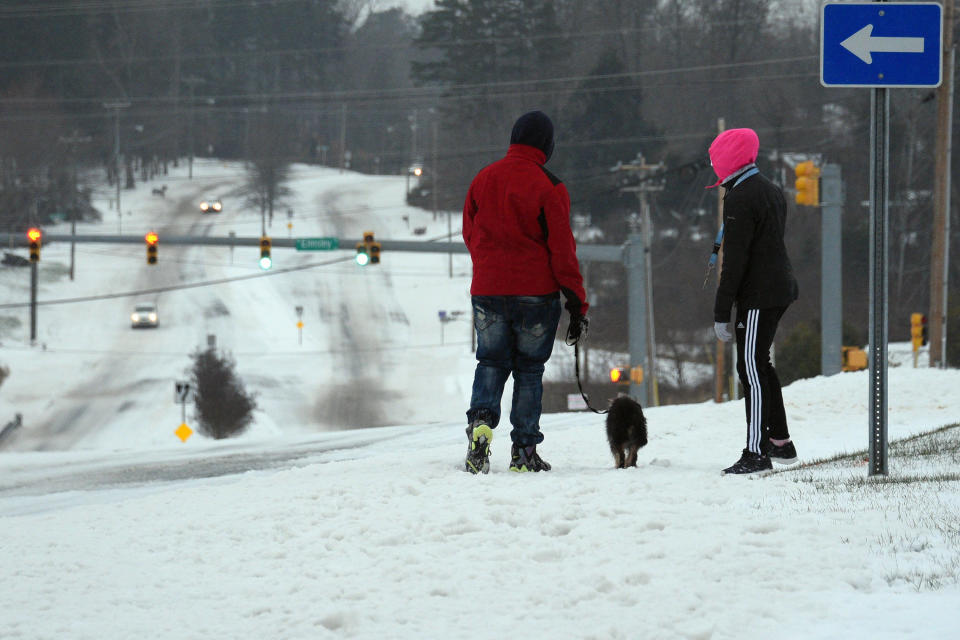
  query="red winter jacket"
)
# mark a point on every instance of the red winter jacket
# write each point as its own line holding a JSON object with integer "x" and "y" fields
{"x": 516, "y": 224}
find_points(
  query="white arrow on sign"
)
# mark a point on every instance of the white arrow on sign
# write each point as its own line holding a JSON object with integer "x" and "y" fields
{"x": 862, "y": 44}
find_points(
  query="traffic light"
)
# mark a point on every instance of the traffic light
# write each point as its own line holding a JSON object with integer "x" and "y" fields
{"x": 626, "y": 375}
{"x": 918, "y": 330}
{"x": 808, "y": 184}
{"x": 368, "y": 251}
{"x": 152, "y": 240}
{"x": 363, "y": 258}
{"x": 265, "y": 260}
{"x": 35, "y": 236}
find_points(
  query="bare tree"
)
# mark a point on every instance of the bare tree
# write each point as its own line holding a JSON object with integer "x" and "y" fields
{"x": 268, "y": 165}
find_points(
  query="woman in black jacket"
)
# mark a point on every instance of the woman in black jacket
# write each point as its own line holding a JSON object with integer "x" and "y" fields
{"x": 757, "y": 276}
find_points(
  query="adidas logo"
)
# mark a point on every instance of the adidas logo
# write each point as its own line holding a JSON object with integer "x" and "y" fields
{"x": 740, "y": 326}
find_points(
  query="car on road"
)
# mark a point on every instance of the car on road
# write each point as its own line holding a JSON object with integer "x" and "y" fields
{"x": 212, "y": 205}
{"x": 145, "y": 315}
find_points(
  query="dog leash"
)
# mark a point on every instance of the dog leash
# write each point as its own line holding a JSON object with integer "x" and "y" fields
{"x": 576, "y": 368}
{"x": 712, "y": 262}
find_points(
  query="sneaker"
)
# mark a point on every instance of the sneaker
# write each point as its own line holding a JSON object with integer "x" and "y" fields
{"x": 785, "y": 454}
{"x": 524, "y": 459}
{"x": 749, "y": 462}
{"x": 478, "y": 451}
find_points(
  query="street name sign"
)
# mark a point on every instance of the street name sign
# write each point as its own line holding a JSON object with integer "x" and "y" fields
{"x": 881, "y": 44}
{"x": 317, "y": 244}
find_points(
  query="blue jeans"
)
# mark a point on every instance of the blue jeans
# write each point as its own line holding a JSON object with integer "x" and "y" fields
{"x": 515, "y": 335}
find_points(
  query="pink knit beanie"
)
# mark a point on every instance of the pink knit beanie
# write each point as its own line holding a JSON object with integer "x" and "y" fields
{"x": 731, "y": 150}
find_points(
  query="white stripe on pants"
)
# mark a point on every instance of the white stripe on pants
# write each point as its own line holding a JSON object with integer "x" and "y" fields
{"x": 755, "y": 427}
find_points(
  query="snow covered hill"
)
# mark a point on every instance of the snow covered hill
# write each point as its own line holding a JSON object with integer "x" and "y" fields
{"x": 110, "y": 527}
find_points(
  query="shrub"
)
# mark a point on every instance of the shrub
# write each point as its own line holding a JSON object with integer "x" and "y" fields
{"x": 224, "y": 408}
{"x": 798, "y": 356}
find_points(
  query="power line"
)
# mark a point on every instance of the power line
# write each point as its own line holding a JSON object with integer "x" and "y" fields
{"x": 347, "y": 48}
{"x": 510, "y": 86}
{"x": 189, "y": 285}
{"x": 94, "y": 7}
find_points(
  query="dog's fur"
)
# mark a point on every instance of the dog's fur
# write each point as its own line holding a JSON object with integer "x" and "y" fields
{"x": 626, "y": 430}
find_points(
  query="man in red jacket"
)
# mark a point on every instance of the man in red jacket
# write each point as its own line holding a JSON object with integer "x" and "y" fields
{"x": 516, "y": 224}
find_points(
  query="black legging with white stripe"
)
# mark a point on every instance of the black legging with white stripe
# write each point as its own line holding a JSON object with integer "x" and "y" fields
{"x": 766, "y": 417}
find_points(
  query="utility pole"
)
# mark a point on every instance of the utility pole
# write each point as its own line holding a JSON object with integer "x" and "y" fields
{"x": 646, "y": 172}
{"x": 73, "y": 141}
{"x": 940, "y": 249}
{"x": 117, "y": 106}
{"x": 720, "y": 371}
{"x": 33, "y": 302}
{"x": 433, "y": 190}
{"x": 831, "y": 270}
{"x": 343, "y": 136}
{"x": 413, "y": 136}
{"x": 192, "y": 81}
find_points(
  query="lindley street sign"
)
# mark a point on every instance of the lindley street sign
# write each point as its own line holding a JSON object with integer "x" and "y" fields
{"x": 881, "y": 44}
{"x": 316, "y": 244}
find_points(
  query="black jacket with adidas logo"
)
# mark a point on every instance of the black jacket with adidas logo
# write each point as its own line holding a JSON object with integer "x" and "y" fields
{"x": 756, "y": 271}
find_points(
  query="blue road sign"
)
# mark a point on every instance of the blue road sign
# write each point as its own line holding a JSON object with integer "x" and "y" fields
{"x": 881, "y": 44}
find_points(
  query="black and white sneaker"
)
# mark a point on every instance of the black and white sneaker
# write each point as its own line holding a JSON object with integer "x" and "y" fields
{"x": 524, "y": 459}
{"x": 749, "y": 462}
{"x": 478, "y": 450}
{"x": 784, "y": 454}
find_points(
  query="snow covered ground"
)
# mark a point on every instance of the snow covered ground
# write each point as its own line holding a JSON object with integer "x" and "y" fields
{"x": 110, "y": 527}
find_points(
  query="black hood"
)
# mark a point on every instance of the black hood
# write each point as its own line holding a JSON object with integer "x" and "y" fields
{"x": 534, "y": 129}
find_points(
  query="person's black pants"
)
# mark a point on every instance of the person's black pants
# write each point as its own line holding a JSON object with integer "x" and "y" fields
{"x": 766, "y": 418}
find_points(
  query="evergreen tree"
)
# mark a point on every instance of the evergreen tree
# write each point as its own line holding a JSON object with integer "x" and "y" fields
{"x": 224, "y": 408}
{"x": 488, "y": 57}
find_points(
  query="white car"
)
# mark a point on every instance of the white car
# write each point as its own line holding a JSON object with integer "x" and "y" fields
{"x": 145, "y": 315}
{"x": 211, "y": 206}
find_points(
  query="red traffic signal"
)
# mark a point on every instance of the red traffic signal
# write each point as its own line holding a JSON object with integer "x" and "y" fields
{"x": 35, "y": 236}
{"x": 152, "y": 239}
{"x": 626, "y": 375}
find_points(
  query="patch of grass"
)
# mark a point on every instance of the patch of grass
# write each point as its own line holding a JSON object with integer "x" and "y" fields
{"x": 9, "y": 325}
{"x": 941, "y": 443}
{"x": 905, "y": 479}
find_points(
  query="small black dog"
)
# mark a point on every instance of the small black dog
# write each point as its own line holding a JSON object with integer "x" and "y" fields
{"x": 626, "y": 430}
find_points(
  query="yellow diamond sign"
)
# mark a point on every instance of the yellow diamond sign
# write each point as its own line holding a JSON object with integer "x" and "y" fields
{"x": 183, "y": 432}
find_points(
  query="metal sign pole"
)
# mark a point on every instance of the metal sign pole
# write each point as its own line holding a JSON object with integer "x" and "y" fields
{"x": 879, "y": 215}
